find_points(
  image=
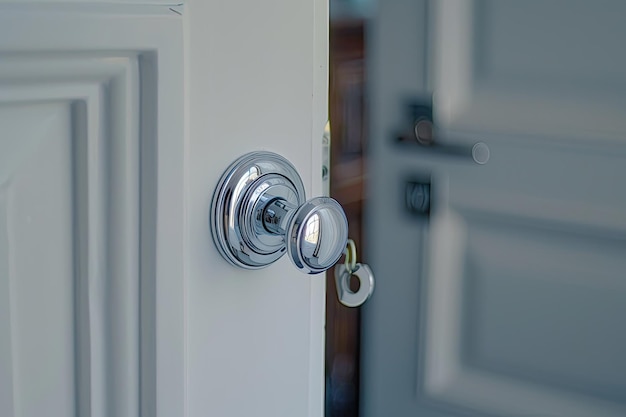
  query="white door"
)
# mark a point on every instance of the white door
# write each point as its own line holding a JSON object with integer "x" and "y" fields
{"x": 117, "y": 121}
{"x": 509, "y": 298}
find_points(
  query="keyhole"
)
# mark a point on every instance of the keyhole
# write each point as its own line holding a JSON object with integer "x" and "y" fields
{"x": 355, "y": 283}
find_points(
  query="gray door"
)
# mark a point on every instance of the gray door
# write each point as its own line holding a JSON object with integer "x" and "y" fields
{"x": 508, "y": 298}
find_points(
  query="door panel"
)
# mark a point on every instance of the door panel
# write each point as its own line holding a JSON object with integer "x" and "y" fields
{"x": 117, "y": 121}
{"x": 553, "y": 68}
{"x": 521, "y": 304}
{"x": 257, "y": 76}
{"x": 81, "y": 279}
{"x": 38, "y": 344}
{"x": 507, "y": 300}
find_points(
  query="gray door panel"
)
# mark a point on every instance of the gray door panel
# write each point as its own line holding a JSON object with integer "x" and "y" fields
{"x": 508, "y": 299}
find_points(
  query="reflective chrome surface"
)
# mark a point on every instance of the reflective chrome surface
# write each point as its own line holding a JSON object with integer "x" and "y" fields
{"x": 258, "y": 213}
{"x": 241, "y": 196}
{"x": 318, "y": 232}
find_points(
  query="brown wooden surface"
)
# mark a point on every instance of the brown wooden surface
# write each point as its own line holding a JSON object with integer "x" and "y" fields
{"x": 347, "y": 118}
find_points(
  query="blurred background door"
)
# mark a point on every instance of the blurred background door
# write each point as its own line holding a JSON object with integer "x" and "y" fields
{"x": 496, "y": 218}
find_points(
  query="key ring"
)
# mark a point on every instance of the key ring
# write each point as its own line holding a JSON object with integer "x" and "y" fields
{"x": 350, "y": 261}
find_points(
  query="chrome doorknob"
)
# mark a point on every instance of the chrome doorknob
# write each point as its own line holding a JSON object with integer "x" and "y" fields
{"x": 259, "y": 213}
